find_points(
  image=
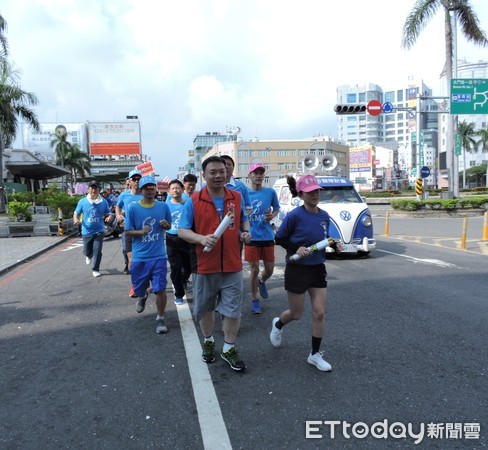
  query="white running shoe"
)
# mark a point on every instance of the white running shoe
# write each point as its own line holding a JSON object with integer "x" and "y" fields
{"x": 319, "y": 362}
{"x": 275, "y": 335}
{"x": 96, "y": 274}
{"x": 87, "y": 260}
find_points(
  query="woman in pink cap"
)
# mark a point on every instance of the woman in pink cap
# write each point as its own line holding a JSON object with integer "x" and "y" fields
{"x": 301, "y": 228}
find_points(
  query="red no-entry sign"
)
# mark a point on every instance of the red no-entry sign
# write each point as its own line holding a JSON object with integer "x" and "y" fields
{"x": 374, "y": 107}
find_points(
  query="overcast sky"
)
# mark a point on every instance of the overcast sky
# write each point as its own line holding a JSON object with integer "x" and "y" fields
{"x": 187, "y": 67}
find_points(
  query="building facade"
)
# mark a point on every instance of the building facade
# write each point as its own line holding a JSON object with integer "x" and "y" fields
{"x": 319, "y": 155}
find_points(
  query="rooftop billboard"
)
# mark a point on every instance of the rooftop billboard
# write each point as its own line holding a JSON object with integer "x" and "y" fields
{"x": 114, "y": 138}
{"x": 40, "y": 142}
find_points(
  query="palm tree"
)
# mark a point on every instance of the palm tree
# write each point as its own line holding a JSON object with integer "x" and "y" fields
{"x": 14, "y": 103}
{"x": 78, "y": 163}
{"x": 462, "y": 11}
{"x": 3, "y": 42}
{"x": 62, "y": 147}
{"x": 468, "y": 142}
{"x": 483, "y": 139}
{"x": 483, "y": 142}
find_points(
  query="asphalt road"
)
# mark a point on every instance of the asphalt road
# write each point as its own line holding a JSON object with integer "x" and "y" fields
{"x": 405, "y": 333}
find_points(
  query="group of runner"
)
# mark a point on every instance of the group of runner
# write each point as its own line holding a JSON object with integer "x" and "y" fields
{"x": 202, "y": 234}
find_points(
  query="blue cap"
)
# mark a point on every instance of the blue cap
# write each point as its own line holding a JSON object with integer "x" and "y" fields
{"x": 135, "y": 172}
{"x": 148, "y": 179}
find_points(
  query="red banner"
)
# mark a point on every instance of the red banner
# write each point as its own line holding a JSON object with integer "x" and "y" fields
{"x": 146, "y": 168}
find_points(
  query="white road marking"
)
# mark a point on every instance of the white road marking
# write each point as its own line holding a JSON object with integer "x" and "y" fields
{"x": 77, "y": 244}
{"x": 212, "y": 425}
{"x": 435, "y": 262}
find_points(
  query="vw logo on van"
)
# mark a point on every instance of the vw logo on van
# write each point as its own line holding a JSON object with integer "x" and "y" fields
{"x": 345, "y": 216}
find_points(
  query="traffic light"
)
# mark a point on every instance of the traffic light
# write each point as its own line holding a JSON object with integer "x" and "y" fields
{"x": 349, "y": 109}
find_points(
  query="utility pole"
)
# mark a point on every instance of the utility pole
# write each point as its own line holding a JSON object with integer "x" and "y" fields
{"x": 418, "y": 183}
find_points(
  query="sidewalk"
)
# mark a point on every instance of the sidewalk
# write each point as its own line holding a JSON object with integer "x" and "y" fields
{"x": 14, "y": 251}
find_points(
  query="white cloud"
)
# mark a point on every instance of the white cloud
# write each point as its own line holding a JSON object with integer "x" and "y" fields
{"x": 270, "y": 67}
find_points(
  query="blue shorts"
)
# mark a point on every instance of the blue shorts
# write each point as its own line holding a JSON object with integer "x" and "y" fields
{"x": 153, "y": 271}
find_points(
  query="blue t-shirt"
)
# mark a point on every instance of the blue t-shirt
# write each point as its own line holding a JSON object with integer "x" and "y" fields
{"x": 305, "y": 229}
{"x": 240, "y": 187}
{"x": 127, "y": 198}
{"x": 262, "y": 201}
{"x": 176, "y": 212}
{"x": 93, "y": 215}
{"x": 150, "y": 246}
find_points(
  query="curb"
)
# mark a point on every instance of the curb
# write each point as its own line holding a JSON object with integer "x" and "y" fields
{"x": 437, "y": 213}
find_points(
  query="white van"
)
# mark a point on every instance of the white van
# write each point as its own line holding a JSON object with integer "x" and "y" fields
{"x": 350, "y": 218}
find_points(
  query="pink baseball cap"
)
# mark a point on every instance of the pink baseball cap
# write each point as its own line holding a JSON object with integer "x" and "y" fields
{"x": 256, "y": 166}
{"x": 307, "y": 183}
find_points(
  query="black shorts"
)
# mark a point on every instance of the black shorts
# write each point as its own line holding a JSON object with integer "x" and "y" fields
{"x": 128, "y": 243}
{"x": 299, "y": 278}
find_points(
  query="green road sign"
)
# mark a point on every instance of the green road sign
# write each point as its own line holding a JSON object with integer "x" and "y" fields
{"x": 458, "y": 144}
{"x": 469, "y": 96}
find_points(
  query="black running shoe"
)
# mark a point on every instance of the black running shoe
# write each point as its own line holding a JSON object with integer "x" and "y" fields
{"x": 233, "y": 359}
{"x": 208, "y": 355}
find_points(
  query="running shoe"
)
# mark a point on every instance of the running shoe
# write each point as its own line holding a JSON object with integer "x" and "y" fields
{"x": 233, "y": 359}
{"x": 256, "y": 307}
{"x": 141, "y": 303}
{"x": 161, "y": 327}
{"x": 263, "y": 290}
{"x": 208, "y": 355}
{"x": 319, "y": 362}
{"x": 275, "y": 335}
{"x": 87, "y": 261}
{"x": 179, "y": 301}
{"x": 132, "y": 292}
{"x": 96, "y": 274}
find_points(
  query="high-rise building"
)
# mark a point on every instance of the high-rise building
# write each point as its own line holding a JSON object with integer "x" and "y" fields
{"x": 395, "y": 129}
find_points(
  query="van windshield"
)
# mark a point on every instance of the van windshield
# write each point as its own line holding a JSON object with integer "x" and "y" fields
{"x": 340, "y": 194}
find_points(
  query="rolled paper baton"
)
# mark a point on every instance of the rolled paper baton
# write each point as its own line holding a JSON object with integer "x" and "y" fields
{"x": 312, "y": 249}
{"x": 220, "y": 229}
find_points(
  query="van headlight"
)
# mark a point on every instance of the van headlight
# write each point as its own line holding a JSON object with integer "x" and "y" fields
{"x": 367, "y": 221}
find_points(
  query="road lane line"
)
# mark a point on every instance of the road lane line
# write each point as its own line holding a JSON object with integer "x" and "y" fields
{"x": 212, "y": 425}
{"x": 435, "y": 262}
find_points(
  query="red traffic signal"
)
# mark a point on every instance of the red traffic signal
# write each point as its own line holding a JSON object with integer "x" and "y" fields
{"x": 349, "y": 109}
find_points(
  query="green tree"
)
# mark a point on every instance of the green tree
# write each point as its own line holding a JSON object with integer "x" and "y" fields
{"x": 483, "y": 142}
{"x": 468, "y": 142}
{"x": 14, "y": 103}
{"x": 62, "y": 147}
{"x": 478, "y": 173}
{"x": 60, "y": 144}
{"x": 78, "y": 162}
{"x": 462, "y": 12}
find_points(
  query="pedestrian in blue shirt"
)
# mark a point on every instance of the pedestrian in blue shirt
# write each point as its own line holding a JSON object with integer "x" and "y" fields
{"x": 146, "y": 222}
{"x": 94, "y": 211}
{"x": 124, "y": 201}
{"x": 265, "y": 207}
{"x": 178, "y": 250}
{"x": 236, "y": 185}
{"x": 301, "y": 228}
